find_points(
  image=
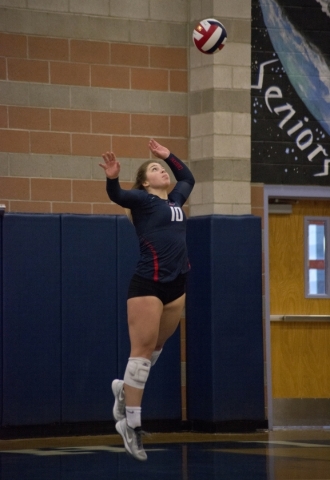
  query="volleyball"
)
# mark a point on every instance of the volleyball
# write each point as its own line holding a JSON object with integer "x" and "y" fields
{"x": 209, "y": 36}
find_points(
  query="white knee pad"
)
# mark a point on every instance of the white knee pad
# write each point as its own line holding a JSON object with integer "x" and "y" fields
{"x": 137, "y": 372}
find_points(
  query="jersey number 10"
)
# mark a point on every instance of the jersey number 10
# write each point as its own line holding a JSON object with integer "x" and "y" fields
{"x": 177, "y": 214}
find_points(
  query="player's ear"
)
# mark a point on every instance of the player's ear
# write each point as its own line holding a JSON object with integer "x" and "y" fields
{"x": 145, "y": 184}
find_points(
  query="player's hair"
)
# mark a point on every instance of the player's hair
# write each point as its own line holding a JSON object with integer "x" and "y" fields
{"x": 140, "y": 178}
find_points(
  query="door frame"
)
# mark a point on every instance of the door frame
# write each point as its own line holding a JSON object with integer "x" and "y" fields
{"x": 291, "y": 192}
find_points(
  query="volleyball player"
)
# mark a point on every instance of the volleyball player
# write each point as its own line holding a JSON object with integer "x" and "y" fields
{"x": 156, "y": 294}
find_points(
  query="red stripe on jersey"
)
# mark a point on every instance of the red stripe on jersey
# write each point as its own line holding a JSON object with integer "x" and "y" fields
{"x": 155, "y": 259}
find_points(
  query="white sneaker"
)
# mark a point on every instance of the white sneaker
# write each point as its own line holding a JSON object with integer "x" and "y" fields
{"x": 118, "y": 410}
{"x": 132, "y": 439}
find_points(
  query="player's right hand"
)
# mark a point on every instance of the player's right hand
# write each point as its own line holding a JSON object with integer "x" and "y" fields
{"x": 110, "y": 166}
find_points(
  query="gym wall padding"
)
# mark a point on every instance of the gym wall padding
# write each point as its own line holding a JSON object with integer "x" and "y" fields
{"x": 224, "y": 320}
{"x": 64, "y": 321}
{"x": 128, "y": 253}
{"x": 1, "y": 302}
{"x": 65, "y": 337}
{"x": 31, "y": 313}
{"x": 164, "y": 383}
{"x": 89, "y": 316}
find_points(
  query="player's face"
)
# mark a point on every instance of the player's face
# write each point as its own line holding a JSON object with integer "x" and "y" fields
{"x": 156, "y": 176}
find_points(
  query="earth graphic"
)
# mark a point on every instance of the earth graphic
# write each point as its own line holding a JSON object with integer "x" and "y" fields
{"x": 300, "y": 35}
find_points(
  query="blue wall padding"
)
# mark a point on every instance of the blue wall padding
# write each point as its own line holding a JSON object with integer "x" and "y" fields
{"x": 224, "y": 319}
{"x": 128, "y": 254}
{"x": 89, "y": 316}
{"x": 31, "y": 313}
{"x": 162, "y": 396}
{"x": 1, "y": 303}
{"x": 65, "y": 336}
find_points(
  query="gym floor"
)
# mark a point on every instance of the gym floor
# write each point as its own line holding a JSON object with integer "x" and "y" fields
{"x": 277, "y": 455}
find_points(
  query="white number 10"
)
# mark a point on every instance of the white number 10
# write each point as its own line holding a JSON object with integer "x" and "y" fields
{"x": 177, "y": 214}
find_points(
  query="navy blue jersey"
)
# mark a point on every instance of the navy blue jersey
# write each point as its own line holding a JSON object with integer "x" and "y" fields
{"x": 160, "y": 224}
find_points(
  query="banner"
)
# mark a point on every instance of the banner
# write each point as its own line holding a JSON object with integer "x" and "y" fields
{"x": 290, "y": 92}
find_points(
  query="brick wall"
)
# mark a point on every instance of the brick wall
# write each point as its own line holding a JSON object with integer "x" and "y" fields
{"x": 220, "y": 113}
{"x": 76, "y": 79}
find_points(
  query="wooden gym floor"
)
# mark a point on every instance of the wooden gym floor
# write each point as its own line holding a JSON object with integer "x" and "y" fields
{"x": 278, "y": 455}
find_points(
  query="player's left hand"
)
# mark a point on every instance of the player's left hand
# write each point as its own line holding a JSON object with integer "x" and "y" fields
{"x": 158, "y": 150}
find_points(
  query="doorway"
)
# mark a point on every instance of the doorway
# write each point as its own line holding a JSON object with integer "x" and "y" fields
{"x": 297, "y": 328}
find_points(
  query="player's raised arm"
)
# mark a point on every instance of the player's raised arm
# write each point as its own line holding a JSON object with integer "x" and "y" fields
{"x": 179, "y": 169}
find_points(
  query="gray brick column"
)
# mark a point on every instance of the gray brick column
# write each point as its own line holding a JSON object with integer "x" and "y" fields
{"x": 219, "y": 110}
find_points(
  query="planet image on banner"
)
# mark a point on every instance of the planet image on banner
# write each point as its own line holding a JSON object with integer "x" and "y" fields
{"x": 209, "y": 36}
{"x": 303, "y": 52}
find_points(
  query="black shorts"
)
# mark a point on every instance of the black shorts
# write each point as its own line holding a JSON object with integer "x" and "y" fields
{"x": 166, "y": 292}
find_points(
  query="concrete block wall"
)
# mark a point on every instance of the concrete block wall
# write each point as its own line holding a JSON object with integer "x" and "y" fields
{"x": 78, "y": 78}
{"x": 219, "y": 109}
